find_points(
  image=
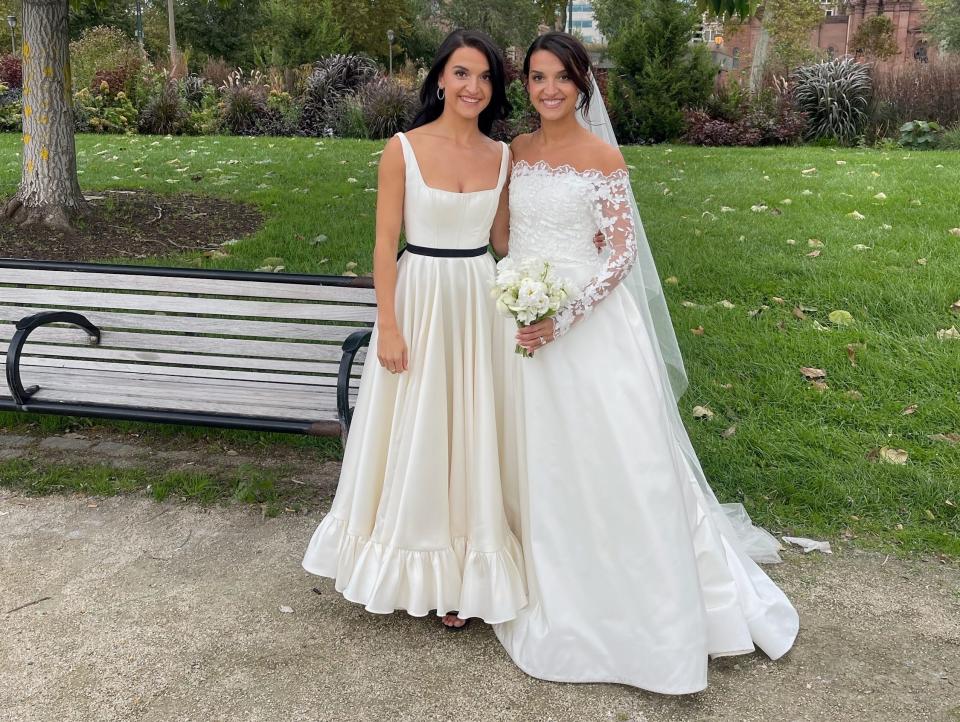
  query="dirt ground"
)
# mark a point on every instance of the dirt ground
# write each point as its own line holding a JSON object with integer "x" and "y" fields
{"x": 125, "y": 609}
{"x": 136, "y": 224}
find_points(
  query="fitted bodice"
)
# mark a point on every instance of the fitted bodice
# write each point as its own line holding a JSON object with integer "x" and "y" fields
{"x": 436, "y": 218}
{"x": 554, "y": 214}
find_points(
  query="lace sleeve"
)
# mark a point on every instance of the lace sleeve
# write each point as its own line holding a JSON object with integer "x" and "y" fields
{"x": 615, "y": 220}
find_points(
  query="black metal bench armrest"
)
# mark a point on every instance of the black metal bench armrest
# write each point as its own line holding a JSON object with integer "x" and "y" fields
{"x": 354, "y": 342}
{"x": 26, "y": 326}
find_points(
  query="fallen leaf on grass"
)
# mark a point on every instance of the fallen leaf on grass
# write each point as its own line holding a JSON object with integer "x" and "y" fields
{"x": 949, "y": 334}
{"x": 861, "y": 247}
{"x": 779, "y": 301}
{"x": 727, "y": 433}
{"x": 702, "y": 412}
{"x": 921, "y": 261}
{"x": 698, "y": 331}
{"x": 881, "y": 196}
{"x": 671, "y": 280}
{"x": 791, "y": 242}
{"x": 811, "y": 373}
{"x": 758, "y": 208}
{"x": 814, "y": 243}
{"x": 840, "y": 318}
{"x": 955, "y": 231}
{"x": 888, "y": 455}
{"x": 955, "y": 307}
{"x": 841, "y": 162}
{"x": 854, "y": 394}
{"x": 726, "y": 304}
{"x": 799, "y": 314}
{"x": 820, "y": 386}
{"x": 949, "y": 438}
{"x": 808, "y": 171}
{"x": 689, "y": 304}
{"x": 852, "y": 349}
{"x": 856, "y": 215}
{"x": 911, "y": 409}
{"x": 814, "y": 254}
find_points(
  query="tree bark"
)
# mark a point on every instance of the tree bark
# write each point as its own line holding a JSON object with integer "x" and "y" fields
{"x": 49, "y": 193}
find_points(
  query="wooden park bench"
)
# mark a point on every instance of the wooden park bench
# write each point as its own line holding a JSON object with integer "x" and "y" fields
{"x": 262, "y": 351}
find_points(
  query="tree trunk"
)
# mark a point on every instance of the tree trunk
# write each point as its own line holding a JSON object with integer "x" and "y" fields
{"x": 760, "y": 52}
{"x": 49, "y": 193}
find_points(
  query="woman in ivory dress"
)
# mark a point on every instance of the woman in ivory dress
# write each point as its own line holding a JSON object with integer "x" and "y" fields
{"x": 635, "y": 573}
{"x": 418, "y": 521}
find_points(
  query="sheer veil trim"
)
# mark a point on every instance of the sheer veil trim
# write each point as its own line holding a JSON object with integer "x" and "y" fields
{"x": 643, "y": 283}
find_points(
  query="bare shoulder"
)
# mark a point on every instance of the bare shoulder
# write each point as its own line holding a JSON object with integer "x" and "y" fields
{"x": 520, "y": 144}
{"x": 392, "y": 155}
{"x": 606, "y": 158}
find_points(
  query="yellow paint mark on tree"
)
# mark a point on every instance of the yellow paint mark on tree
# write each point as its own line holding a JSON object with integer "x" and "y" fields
{"x": 48, "y": 71}
{"x": 26, "y": 50}
{"x": 30, "y": 166}
{"x": 26, "y": 138}
{"x": 27, "y": 111}
{"x": 44, "y": 154}
{"x": 44, "y": 119}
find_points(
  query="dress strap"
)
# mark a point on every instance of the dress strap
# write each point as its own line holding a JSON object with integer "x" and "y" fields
{"x": 504, "y": 165}
{"x": 409, "y": 157}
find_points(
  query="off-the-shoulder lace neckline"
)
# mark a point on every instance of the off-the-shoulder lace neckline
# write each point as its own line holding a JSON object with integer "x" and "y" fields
{"x": 591, "y": 173}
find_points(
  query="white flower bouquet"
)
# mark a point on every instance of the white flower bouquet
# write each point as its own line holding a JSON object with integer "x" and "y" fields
{"x": 529, "y": 291}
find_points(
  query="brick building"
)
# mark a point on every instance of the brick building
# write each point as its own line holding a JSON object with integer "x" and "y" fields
{"x": 834, "y": 36}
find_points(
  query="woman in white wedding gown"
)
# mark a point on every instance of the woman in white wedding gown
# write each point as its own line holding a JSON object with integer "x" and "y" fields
{"x": 635, "y": 574}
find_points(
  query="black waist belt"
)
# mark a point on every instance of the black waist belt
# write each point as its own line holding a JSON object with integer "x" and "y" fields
{"x": 443, "y": 252}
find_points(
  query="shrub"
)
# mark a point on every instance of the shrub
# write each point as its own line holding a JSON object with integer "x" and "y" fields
{"x": 102, "y": 111}
{"x": 950, "y": 140}
{"x": 103, "y": 48}
{"x": 523, "y": 118}
{"x": 117, "y": 80}
{"x": 915, "y": 90}
{"x": 387, "y": 107}
{"x": 205, "y": 116}
{"x": 331, "y": 79}
{"x": 11, "y": 71}
{"x": 732, "y": 116}
{"x": 658, "y": 72}
{"x": 216, "y": 71}
{"x": 166, "y": 113}
{"x": 835, "y": 95}
{"x": 920, "y": 134}
{"x": 346, "y": 118}
{"x": 192, "y": 88}
{"x": 244, "y": 103}
{"x": 11, "y": 108}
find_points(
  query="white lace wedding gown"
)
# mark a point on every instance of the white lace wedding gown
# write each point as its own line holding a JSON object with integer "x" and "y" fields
{"x": 418, "y": 520}
{"x": 632, "y": 574}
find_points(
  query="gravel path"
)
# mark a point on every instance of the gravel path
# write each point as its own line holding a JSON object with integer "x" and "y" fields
{"x": 171, "y": 612}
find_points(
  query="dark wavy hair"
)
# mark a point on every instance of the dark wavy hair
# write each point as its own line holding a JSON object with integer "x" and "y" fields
{"x": 574, "y": 57}
{"x": 431, "y": 107}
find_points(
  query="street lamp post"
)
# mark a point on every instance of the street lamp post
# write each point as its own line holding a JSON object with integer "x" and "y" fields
{"x": 12, "y": 22}
{"x": 139, "y": 30}
{"x": 390, "y": 37}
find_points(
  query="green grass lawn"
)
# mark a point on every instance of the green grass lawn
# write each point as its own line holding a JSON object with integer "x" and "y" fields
{"x": 732, "y": 225}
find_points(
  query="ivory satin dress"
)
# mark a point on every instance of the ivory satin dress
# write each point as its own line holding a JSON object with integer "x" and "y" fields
{"x": 418, "y": 520}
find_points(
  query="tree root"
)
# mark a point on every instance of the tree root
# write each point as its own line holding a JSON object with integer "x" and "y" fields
{"x": 58, "y": 218}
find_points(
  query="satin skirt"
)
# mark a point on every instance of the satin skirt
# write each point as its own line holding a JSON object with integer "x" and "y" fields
{"x": 418, "y": 520}
{"x": 631, "y": 578}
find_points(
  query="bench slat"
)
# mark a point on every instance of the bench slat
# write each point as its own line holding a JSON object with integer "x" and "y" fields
{"x": 183, "y": 359}
{"x": 224, "y": 377}
{"x": 173, "y": 284}
{"x": 156, "y": 391}
{"x": 76, "y": 300}
{"x": 194, "y": 405}
{"x": 186, "y": 324}
{"x": 192, "y": 344}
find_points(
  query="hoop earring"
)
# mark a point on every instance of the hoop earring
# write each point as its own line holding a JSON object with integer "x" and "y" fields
{"x": 441, "y": 94}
